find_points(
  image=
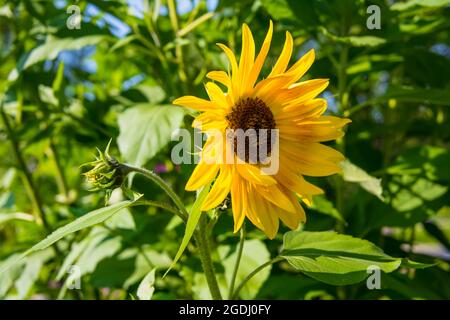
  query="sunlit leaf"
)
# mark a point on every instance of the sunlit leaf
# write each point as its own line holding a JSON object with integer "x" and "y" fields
{"x": 334, "y": 258}
{"x": 87, "y": 220}
{"x": 353, "y": 173}
{"x": 146, "y": 287}
{"x": 145, "y": 129}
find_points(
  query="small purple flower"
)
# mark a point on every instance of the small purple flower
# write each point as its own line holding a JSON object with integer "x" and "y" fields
{"x": 160, "y": 168}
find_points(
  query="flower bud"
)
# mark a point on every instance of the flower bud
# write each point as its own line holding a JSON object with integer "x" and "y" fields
{"x": 105, "y": 173}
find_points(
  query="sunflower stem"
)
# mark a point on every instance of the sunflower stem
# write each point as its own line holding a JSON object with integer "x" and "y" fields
{"x": 33, "y": 191}
{"x": 163, "y": 185}
{"x": 253, "y": 273}
{"x": 238, "y": 261}
{"x": 204, "y": 249}
{"x": 201, "y": 236}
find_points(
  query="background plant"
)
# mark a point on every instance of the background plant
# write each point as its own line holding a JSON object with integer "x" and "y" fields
{"x": 66, "y": 91}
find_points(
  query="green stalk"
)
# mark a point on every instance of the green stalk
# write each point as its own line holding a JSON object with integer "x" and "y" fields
{"x": 238, "y": 261}
{"x": 201, "y": 236}
{"x": 34, "y": 195}
{"x": 204, "y": 249}
{"x": 60, "y": 177}
{"x": 161, "y": 205}
{"x": 343, "y": 106}
{"x": 253, "y": 273}
{"x": 340, "y": 143}
{"x": 178, "y": 49}
{"x": 163, "y": 185}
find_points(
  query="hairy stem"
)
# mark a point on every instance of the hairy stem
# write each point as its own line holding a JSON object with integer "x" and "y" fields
{"x": 60, "y": 177}
{"x": 238, "y": 261}
{"x": 161, "y": 205}
{"x": 252, "y": 274}
{"x": 163, "y": 185}
{"x": 200, "y": 236}
{"x": 34, "y": 195}
{"x": 204, "y": 249}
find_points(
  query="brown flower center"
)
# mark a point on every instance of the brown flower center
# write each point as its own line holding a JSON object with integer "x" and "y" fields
{"x": 251, "y": 113}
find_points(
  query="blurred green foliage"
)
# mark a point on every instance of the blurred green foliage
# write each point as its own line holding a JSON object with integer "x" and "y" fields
{"x": 66, "y": 91}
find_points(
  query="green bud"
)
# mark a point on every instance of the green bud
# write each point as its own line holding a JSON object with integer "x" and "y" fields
{"x": 105, "y": 173}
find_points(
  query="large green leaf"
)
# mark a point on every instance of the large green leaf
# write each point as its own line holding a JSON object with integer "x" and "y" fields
{"x": 86, "y": 221}
{"x": 353, "y": 173}
{"x": 428, "y": 161}
{"x": 50, "y": 50}
{"x": 411, "y": 192}
{"x": 145, "y": 129}
{"x": 322, "y": 205}
{"x": 356, "y": 41}
{"x": 334, "y": 258}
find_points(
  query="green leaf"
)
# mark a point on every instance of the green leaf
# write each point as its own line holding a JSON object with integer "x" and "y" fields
{"x": 417, "y": 95}
{"x": 322, "y": 205}
{"x": 50, "y": 50}
{"x": 8, "y": 275}
{"x": 356, "y": 41}
{"x": 429, "y": 161}
{"x": 278, "y": 9}
{"x": 364, "y": 41}
{"x": 123, "y": 42}
{"x": 30, "y": 273}
{"x": 402, "y": 6}
{"x": 47, "y": 95}
{"x": 353, "y": 173}
{"x": 406, "y": 263}
{"x": 5, "y": 217}
{"x": 145, "y": 129}
{"x": 86, "y": 221}
{"x": 128, "y": 267}
{"x": 146, "y": 287}
{"x": 194, "y": 217}
{"x": 411, "y": 192}
{"x": 334, "y": 258}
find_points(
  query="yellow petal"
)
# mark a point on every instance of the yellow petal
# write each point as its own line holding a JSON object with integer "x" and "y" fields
{"x": 285, "y": 56}
{"x": 268, "y": 221}
{"x": 259, "y": 62}
{"x": 307, "y": 199}
{"x": 308, "y": 165}
{"x": 323, "y": 128}
{"x": 276, "y": 196}
{"x": 308, "y": 109}
{"x": 202, "y": 174}
{"x": 247, "y": 58}
{"x": 234, "y": 71}
{"x": 219, "y": 76}
{"x": 268, "y": 89}
{"x": 250, "y": 212}
{"x": 301, "y": 66}
{"x": 198, "y": 104}
{"x": 292, "y": 220}
{"x": 253, "y": 174}
{"x": 302, "y": 91}
{"x": 239, "y": 202}
{"x": 220, "y": 189}
{"x": 216, "y": 94}
{"x": 297, "y": 183}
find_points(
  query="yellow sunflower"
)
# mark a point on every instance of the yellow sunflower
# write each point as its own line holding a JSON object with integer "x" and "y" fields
{"x": 277, "y": 102}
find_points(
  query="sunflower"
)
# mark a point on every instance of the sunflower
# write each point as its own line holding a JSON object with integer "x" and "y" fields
{"x": 278, "y": 102}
